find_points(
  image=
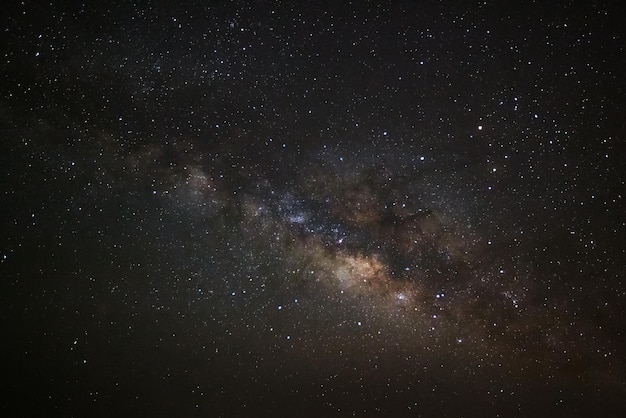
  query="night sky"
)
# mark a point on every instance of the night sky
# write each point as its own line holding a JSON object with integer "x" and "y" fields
{"x": 313, "y": 209}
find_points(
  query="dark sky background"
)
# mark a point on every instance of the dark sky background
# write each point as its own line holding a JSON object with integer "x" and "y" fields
{"x": 315, "y": 209}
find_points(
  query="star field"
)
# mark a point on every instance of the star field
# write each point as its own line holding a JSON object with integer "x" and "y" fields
{"x": 300, "y": 209}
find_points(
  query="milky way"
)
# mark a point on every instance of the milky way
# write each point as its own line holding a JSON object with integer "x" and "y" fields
{"x": 361, "y": 238}
{"x": 288, "y": 209}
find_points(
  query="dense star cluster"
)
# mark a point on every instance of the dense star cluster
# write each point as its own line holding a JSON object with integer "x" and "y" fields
{"x": 241, "y": 209}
